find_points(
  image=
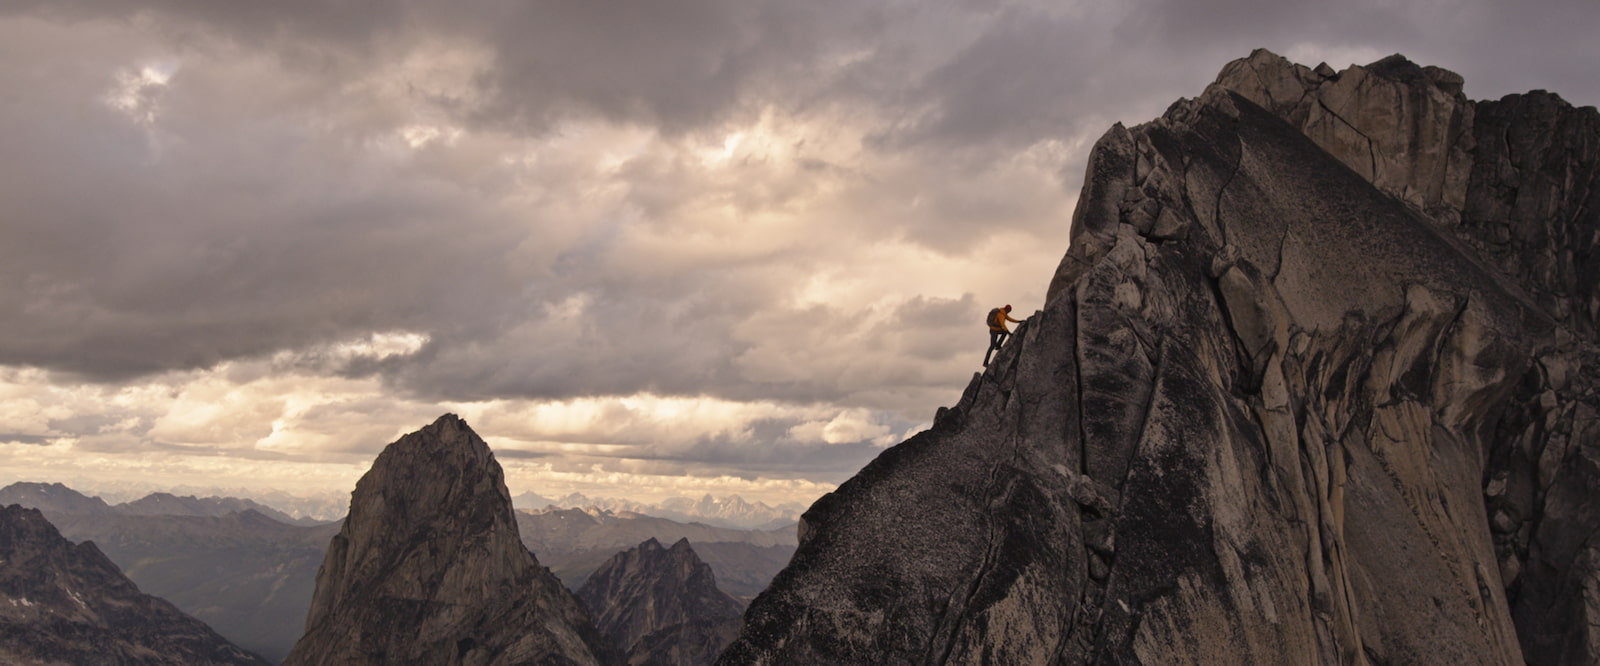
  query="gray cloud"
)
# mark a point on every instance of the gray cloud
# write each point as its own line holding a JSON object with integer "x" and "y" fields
{"x": 245, "y": 207}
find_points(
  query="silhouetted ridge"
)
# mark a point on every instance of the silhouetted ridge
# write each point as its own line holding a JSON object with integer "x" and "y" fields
{"x": 1314, "y": 383}
{"x": 53, "y": 499}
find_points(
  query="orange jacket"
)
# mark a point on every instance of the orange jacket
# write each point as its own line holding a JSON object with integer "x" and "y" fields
{"x": 998, "y": 322}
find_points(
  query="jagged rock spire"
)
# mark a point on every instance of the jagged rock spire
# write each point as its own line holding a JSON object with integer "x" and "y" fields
{"x": 661, "y": 605}
{"x": 428, "y": 568}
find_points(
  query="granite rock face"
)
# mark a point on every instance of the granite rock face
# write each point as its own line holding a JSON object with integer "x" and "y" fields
{"x": 1284, "y": 404}
{"x": 661, "y": 605}
{"x": 62, "y": 603}
{"x": 1519, "y": 184}
{"x": 1516, "y": 179}
{"x": 428, "y": 569}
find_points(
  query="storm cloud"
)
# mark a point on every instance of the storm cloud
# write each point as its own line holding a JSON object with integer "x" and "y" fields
{"x": 292, "y": 230}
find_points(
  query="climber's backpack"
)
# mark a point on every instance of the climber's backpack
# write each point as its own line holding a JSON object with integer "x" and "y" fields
{"x": 994, "y": 317}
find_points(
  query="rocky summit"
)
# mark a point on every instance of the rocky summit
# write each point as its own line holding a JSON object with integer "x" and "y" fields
{"x": 661, "y": 605}
{"x": 65, "y": 603}
{"x": 428, "y": 569}
{"x": 1314, "y": 383}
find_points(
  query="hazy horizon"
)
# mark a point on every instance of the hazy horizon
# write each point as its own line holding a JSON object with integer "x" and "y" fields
{"x": 333, "y": 505}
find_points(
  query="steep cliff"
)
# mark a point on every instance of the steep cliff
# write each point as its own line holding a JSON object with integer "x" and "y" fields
{"x": 62, "y": 603}
{"x": 661, "y": 605}
{"x": 428, "y": 569}
{"x": 1313, "y": 384}
{"x": 1518, "y": 181}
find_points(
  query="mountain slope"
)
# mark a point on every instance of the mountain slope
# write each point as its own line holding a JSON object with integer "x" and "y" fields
{"x": 244, "y": 573}
{"x": 66, "y": 603}
{"x": 247, "y": 576}
{"x": 428, "y": 568}
{"x": 1261, "y": 419}
{"x": 167, "y": 504}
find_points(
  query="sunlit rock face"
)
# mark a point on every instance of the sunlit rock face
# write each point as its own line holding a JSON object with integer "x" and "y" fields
{"x": 66, "y": 603}
{"x": 661, "y": 606}
{"x": 1314, "y": 383}
{"x": 428, "y": 569}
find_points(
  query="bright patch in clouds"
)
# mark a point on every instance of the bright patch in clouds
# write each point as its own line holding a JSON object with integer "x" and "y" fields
{"x": 417, "y": 136}
{"x": 382, "y": 345}
{"x": 247, "y": 425}
{"x": 137, "y": 90}
{"x": 849, "y": 426}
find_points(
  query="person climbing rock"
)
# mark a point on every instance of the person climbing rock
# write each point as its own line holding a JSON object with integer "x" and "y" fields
{"x": 997, "y": 329}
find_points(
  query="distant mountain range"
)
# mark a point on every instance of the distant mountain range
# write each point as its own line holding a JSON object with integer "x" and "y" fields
{"x": 731, "y": 511}
{"x": 59, "y": 499}
{"x": 249, "y": 573}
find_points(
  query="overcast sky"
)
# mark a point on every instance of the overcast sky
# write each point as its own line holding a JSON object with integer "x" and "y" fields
{"x": 645, "y": 247}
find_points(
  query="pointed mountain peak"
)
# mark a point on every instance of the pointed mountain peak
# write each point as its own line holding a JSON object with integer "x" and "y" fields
{"x": 650, "y": 601}
{"x": 430, "y": 557}
{"x": 448, "y": 436}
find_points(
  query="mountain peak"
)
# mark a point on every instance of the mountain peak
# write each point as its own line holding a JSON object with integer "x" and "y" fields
{"x": 429, "y": 559}
{"x": 651, "y": 601}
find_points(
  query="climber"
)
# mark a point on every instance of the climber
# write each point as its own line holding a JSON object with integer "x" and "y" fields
{"x": 997, "y": 329}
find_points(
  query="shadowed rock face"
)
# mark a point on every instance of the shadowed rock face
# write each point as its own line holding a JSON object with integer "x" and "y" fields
{"x": 1280, "y": 406}
{"x": 428, "y": 568}
{"x": 661, "y": 605}
{"x": 62, "y": 603}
